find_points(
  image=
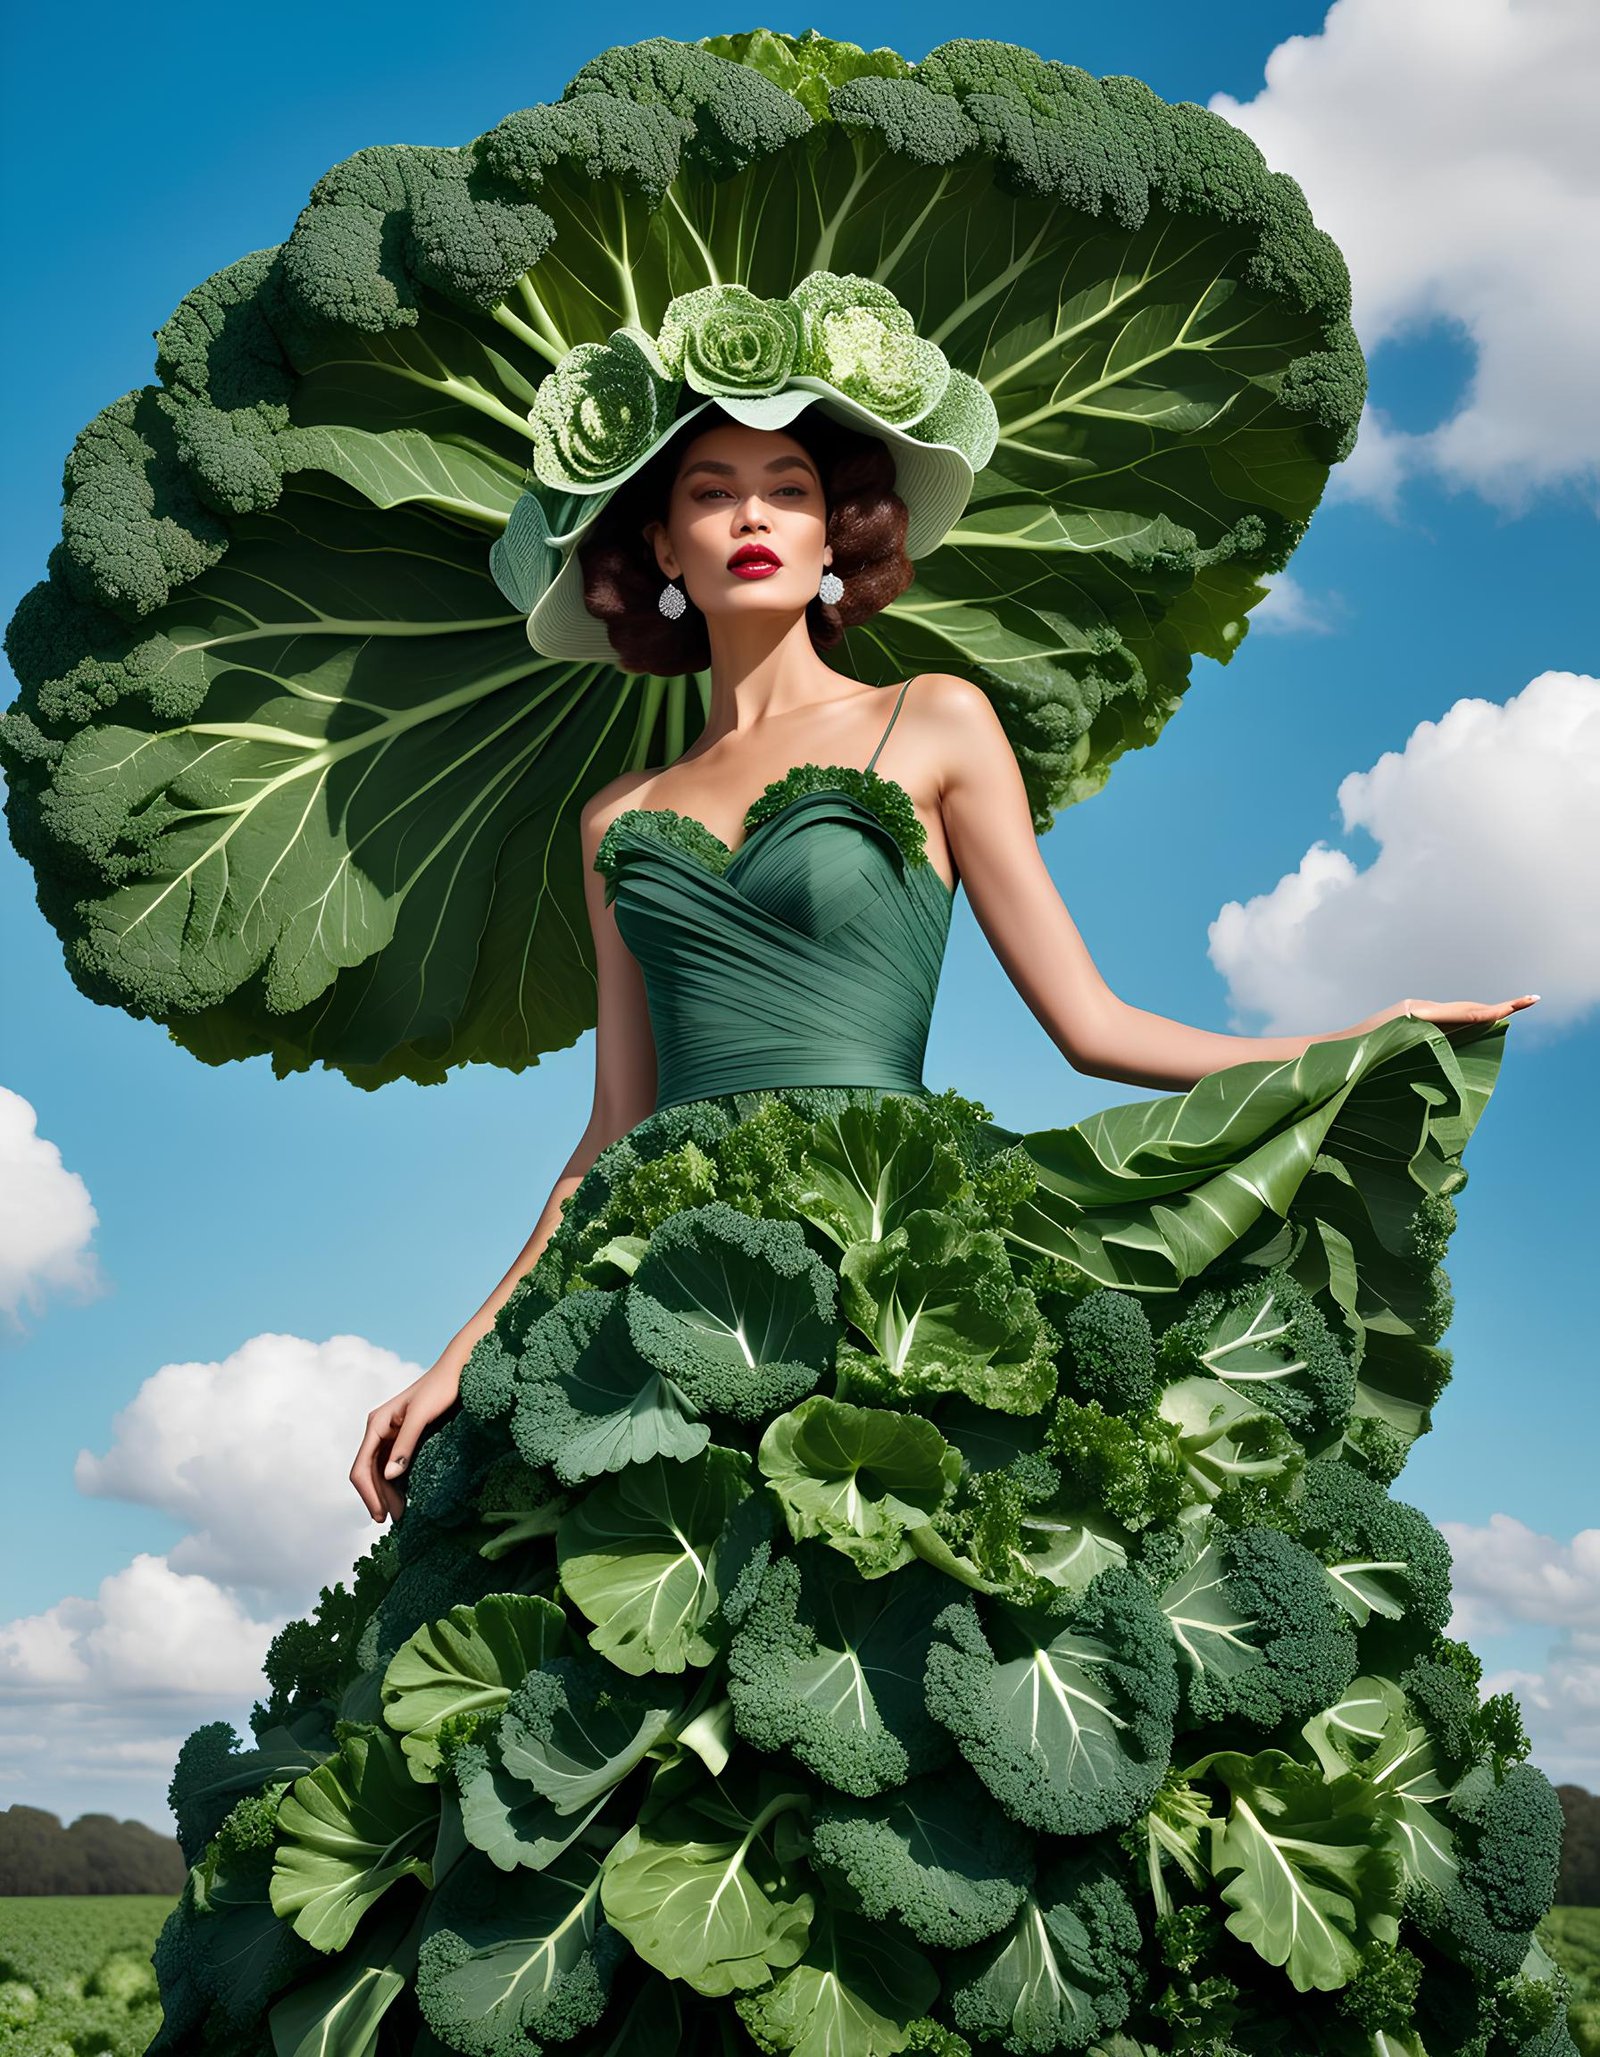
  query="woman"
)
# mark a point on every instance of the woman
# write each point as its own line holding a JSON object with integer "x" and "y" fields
{"x": 732, "y": 493}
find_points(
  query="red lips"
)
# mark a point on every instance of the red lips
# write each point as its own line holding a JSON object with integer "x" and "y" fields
{"x": 755, "y": 553}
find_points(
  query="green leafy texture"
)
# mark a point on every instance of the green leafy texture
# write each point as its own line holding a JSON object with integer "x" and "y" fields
{"x": 857, "y": 1477}
{"x": 1508, "y": 1833}
{"x": 1305, "y": 1864}
{"x": 831, "y": 1669}
{"x": 223, "y": 1949}
{"x": 739, "y": 1312}
{"x": 292, "y": 779}
{"x": 941, "y": 1307}
{"x": 1381, "y": 1556}
{"x": 1109, "y": 1353}
{"x": 348, "y": 1831}
{"x": 1067, "y": 1717}
{"x": 937, "y": 1854}
{"x": 212, "y": 1773}
{"x": 466, "y": 1663}
{"x": 588, "y": 1403}
{"x": 864, "y": 1171}
{"x": 1260, "y": 1637}
{"x": 1338, "y": 1162}
{"x": 572, "y": 1737}
{"x": 706, "y": 1886}
{"x": 507, "y": 1961}
{"x": 1267, "y": 1339}
{"x": 1371, "y": 1729}
{"x": 1065, "y": 1971}
{"x": 1225, "y": 1438}
{"x": 857, "y": 1989}
{"x": 342, "y": 2011}
{"x": 503, "y": 1816}
{"x": 639, "y": 1556}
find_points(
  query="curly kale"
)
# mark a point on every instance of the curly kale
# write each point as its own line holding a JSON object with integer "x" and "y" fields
{"x": 1508, "y": 1833}
{"x": 1383, "y": 1555}
{"x": 937, "y": 1854}
{"x": 317, "y": 1657}
{"x": 1109, "y": 1352}
{"x": 1267, "y": 1336}
{"x": 1132, "y": 1469}
{"x": 1014, "y": 1688}
{"x": 1257, "y": 1590}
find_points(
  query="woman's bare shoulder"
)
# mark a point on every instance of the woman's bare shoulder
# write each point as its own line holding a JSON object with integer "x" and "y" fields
{"x": 615, "y": 797}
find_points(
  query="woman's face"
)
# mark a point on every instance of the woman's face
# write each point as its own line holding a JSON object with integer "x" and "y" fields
{"x": 750, "y": 494}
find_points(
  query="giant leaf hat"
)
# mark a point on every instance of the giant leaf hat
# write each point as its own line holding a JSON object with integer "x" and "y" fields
{"x": 844, "y": 346}
{"x": 291, "y": 776}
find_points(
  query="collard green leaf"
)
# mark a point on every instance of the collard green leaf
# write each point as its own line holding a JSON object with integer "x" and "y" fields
{"x": 465, "y": 1663}
{"x": 588, "y": 1403}
{"x": 938, "y": 1302}
{"x": 831, "y": 1668}
{"x": 1370, "y": 1729}
{"x": 1329, "y": 1161}
{"x": 706, "y": 1887}
{"x": 349, "y": 1829}
{"x": 1305, "y": 1863}
{"x": 1066, "y": 1717}
{"x": 857, "y": 1989}
{"x": 507, "y": 1960}
{"x": 739, "y": 1310}
{"x": 1062, "y": 1971}
{"x": 572, "y": 1737}
{"x": 858, "y": 1477}
{"x": 291, "y": 776}
{"x": 512, "y": 1825}
{"x": 864, "y": 1170}
{"x": 338, "y": 2015}
{"x": 1224, "y": 1438}
{"x": 938, "y": 1854}
{"x": 639, "y": 1556}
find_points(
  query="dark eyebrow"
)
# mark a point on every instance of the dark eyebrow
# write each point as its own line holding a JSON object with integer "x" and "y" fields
{"x": 727, "y": 470}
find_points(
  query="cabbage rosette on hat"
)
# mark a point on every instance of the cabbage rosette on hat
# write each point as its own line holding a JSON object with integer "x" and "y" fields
{"x": 839, "y": 342}
{"x": 288, "y": 758}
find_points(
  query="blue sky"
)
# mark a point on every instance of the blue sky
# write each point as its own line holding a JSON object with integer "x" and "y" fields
{"x": 236, "y": 1210}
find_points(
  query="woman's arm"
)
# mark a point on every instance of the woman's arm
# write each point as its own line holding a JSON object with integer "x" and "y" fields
{"x": 624, "y": 1092}
{"x": 989, "y": 827}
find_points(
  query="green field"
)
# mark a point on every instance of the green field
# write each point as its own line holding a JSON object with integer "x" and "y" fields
{"x": 75, "y": 1976}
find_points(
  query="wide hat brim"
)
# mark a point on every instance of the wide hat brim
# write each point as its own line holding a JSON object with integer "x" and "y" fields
{"x": 933, "y": 479}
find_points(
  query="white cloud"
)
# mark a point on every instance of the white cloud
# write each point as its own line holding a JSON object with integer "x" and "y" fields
{"x": 253, "y": 1456}
{"x": 1505, "y": 1573}
{"x": 1290, "y": 610}
{"x": 1487, "y": 823}
{"x": 46, "y": 1217}
{"x": 1560, "y": 1709}
{"x": 1447, "y": 147}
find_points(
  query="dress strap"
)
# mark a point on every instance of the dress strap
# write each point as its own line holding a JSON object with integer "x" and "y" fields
{"x": 872, "y": 760}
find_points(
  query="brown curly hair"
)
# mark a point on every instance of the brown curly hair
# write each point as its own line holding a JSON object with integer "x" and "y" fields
{"x": 866, "y": 526}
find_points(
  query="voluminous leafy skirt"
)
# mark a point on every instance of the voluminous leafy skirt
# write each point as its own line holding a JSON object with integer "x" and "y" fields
{"x": 894, "y": 1584}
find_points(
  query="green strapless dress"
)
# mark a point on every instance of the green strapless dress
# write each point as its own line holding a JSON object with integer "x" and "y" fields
{"x": 892, "y": 1582}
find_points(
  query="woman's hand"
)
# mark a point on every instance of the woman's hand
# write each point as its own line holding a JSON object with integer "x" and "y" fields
{"x": 1446, "y": 1014}
{"x": 394, "y": 1430}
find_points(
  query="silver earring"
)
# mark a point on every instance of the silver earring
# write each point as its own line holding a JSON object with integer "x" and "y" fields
{"x": 830, "y": 589}
{"x": 671, "y": 602}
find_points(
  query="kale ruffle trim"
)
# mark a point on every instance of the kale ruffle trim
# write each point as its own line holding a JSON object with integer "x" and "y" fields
{"x": 891, "y": 803}
{"x": 668, "y": 826}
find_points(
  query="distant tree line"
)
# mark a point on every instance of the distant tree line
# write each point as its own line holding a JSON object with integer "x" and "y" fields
{"x": 97, "y": 1854}
{"x": 1579, "y": 1883}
